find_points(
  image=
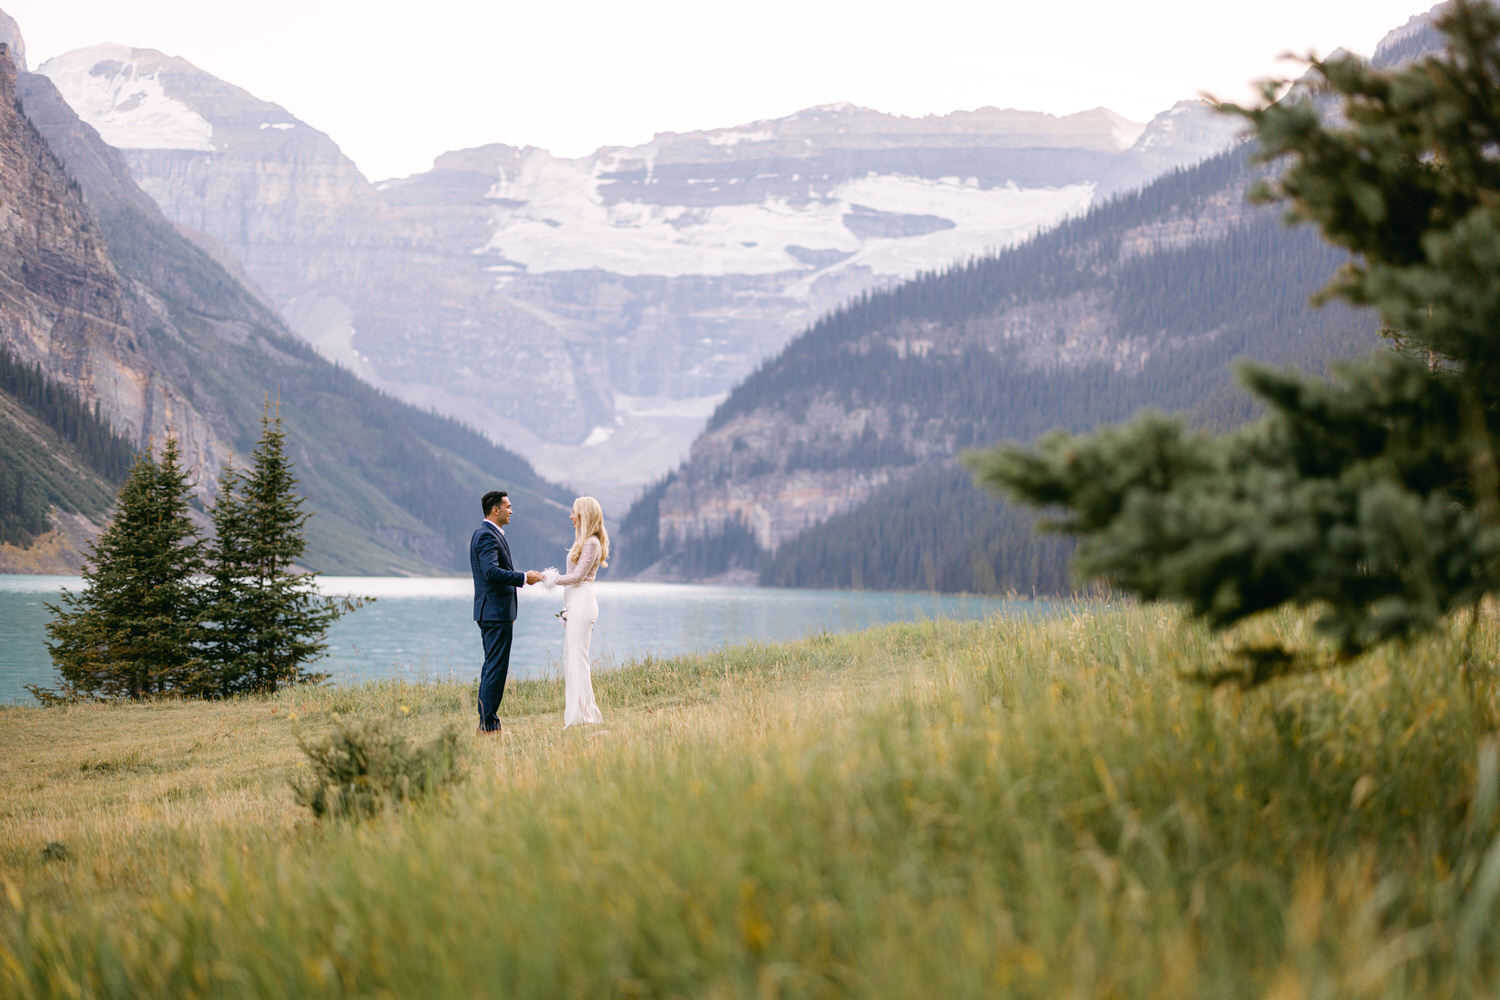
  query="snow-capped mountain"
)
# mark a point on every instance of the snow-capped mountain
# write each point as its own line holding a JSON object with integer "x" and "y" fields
{"x": 126, "y": 100}
{"x": 826, "y": 191}
{"x": 590, "y": 312}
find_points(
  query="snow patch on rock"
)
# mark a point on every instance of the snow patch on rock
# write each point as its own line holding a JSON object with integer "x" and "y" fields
{"x": 734, "y": 138}
{"x": 598, "y": 436}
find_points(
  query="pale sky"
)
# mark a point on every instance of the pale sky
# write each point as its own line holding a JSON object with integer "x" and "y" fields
{"x": 397, "y": 84}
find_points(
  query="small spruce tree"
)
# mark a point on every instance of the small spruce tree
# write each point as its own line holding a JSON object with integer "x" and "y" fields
{"x": 229, "y": 638}
{"x": 1374, "y": 497}
{"x": 132, "y": 631}
{"x": 264, "y": 621}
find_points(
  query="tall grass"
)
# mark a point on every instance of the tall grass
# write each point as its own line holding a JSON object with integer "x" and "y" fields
{"x": 999, "y": 809}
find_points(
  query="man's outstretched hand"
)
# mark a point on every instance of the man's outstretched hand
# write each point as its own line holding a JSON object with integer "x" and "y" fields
{"x": 533, "y": 576}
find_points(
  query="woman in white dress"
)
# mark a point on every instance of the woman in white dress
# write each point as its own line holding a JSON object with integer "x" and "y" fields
{"x": 580, "y": 609}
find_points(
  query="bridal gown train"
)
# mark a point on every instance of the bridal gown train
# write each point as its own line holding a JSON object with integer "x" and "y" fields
{"x": 582, "y": 610}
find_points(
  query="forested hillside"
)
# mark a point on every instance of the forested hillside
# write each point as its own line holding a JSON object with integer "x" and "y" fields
{"x": 836, "y": 463}
{"x": 1185, "y": 279}
{"x": 1145, "y": 301}
{"x": 55, "y": 451}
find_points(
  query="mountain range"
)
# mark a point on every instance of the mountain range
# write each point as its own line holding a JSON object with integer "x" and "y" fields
{"x": 589, "y": 313}
{"x": 834, "y": 463}
{"x": 599, "y": 314}
{"x": 118, "y": 327}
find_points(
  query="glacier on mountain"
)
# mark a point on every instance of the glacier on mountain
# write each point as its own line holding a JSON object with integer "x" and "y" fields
{"x": 550, "y": 216}
{"x": 129, "y": 107}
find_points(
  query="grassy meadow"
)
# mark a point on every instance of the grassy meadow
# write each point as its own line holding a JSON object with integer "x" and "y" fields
{"x": 1006, "y": 808}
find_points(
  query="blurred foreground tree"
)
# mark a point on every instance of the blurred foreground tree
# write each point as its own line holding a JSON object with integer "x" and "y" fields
{"x": 1372, "y": 498}
{"x": 131, "y": 632}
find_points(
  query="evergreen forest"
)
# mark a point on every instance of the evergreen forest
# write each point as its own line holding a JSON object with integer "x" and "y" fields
{"x": 1196, "y": 309}
{"x": 75, "y": 464}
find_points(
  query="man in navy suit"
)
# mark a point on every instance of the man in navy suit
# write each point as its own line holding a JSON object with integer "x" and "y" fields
{"x": 495, "y": 583}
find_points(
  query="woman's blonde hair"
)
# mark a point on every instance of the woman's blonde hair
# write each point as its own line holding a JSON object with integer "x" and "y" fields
{"x": 590, "y": 522}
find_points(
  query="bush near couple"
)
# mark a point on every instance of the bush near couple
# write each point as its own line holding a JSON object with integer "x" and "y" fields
{"x": 495, "y": 583}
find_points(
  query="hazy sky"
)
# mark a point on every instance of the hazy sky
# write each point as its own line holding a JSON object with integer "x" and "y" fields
{"x": 397, "y": 84}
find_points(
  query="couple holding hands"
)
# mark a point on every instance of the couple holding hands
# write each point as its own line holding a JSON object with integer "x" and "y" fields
{"x": 495, "y": 583}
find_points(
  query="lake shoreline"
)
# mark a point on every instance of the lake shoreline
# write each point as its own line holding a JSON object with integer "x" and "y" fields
{"x": 421, "y": 627}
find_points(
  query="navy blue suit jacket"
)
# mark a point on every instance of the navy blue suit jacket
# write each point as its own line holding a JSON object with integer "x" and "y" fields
{"x": 495, "y": 580}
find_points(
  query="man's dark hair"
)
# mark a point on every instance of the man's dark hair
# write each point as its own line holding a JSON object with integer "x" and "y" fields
{"x": 491, "y": 500}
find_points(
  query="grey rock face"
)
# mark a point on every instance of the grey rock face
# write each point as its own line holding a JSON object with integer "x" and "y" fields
{"x": 391, "y": 290}
{"x": 1187, "y": 131}
{"x": 65, "y": 307}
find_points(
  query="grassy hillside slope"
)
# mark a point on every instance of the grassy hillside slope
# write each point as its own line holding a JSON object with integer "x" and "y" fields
{"x": 995, "y": 809}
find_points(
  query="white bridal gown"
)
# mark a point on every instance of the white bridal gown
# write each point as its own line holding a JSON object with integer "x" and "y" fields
{"x": 581, "y": 610}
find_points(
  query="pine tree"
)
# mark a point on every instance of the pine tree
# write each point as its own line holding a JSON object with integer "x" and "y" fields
{"x": 1374, "y": 497}
{"x": 229, "y": 636}
{"x": 132, "y": 631}
{"x": 264, "y": 620}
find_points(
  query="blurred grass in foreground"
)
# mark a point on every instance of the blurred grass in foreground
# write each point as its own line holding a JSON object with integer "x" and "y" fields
{"x": 1005, "y": 808}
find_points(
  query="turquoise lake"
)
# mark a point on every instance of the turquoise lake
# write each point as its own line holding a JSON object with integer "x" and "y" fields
{"x": 420, "y": 628}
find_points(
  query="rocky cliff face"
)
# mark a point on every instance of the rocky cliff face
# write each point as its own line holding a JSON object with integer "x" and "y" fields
{"x": 590, "y": 312}
{"x": 65, "y": 306}
{"x": 390, "y": 288}
{"x": 56, "y": 271}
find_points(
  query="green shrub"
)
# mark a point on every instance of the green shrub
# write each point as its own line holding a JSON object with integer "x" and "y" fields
{"x": 365, "y": 766}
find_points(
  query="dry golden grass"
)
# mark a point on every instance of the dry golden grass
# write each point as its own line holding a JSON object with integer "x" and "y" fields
{"x": 117, "y": 784}
{"x": 1033, "y": 809}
